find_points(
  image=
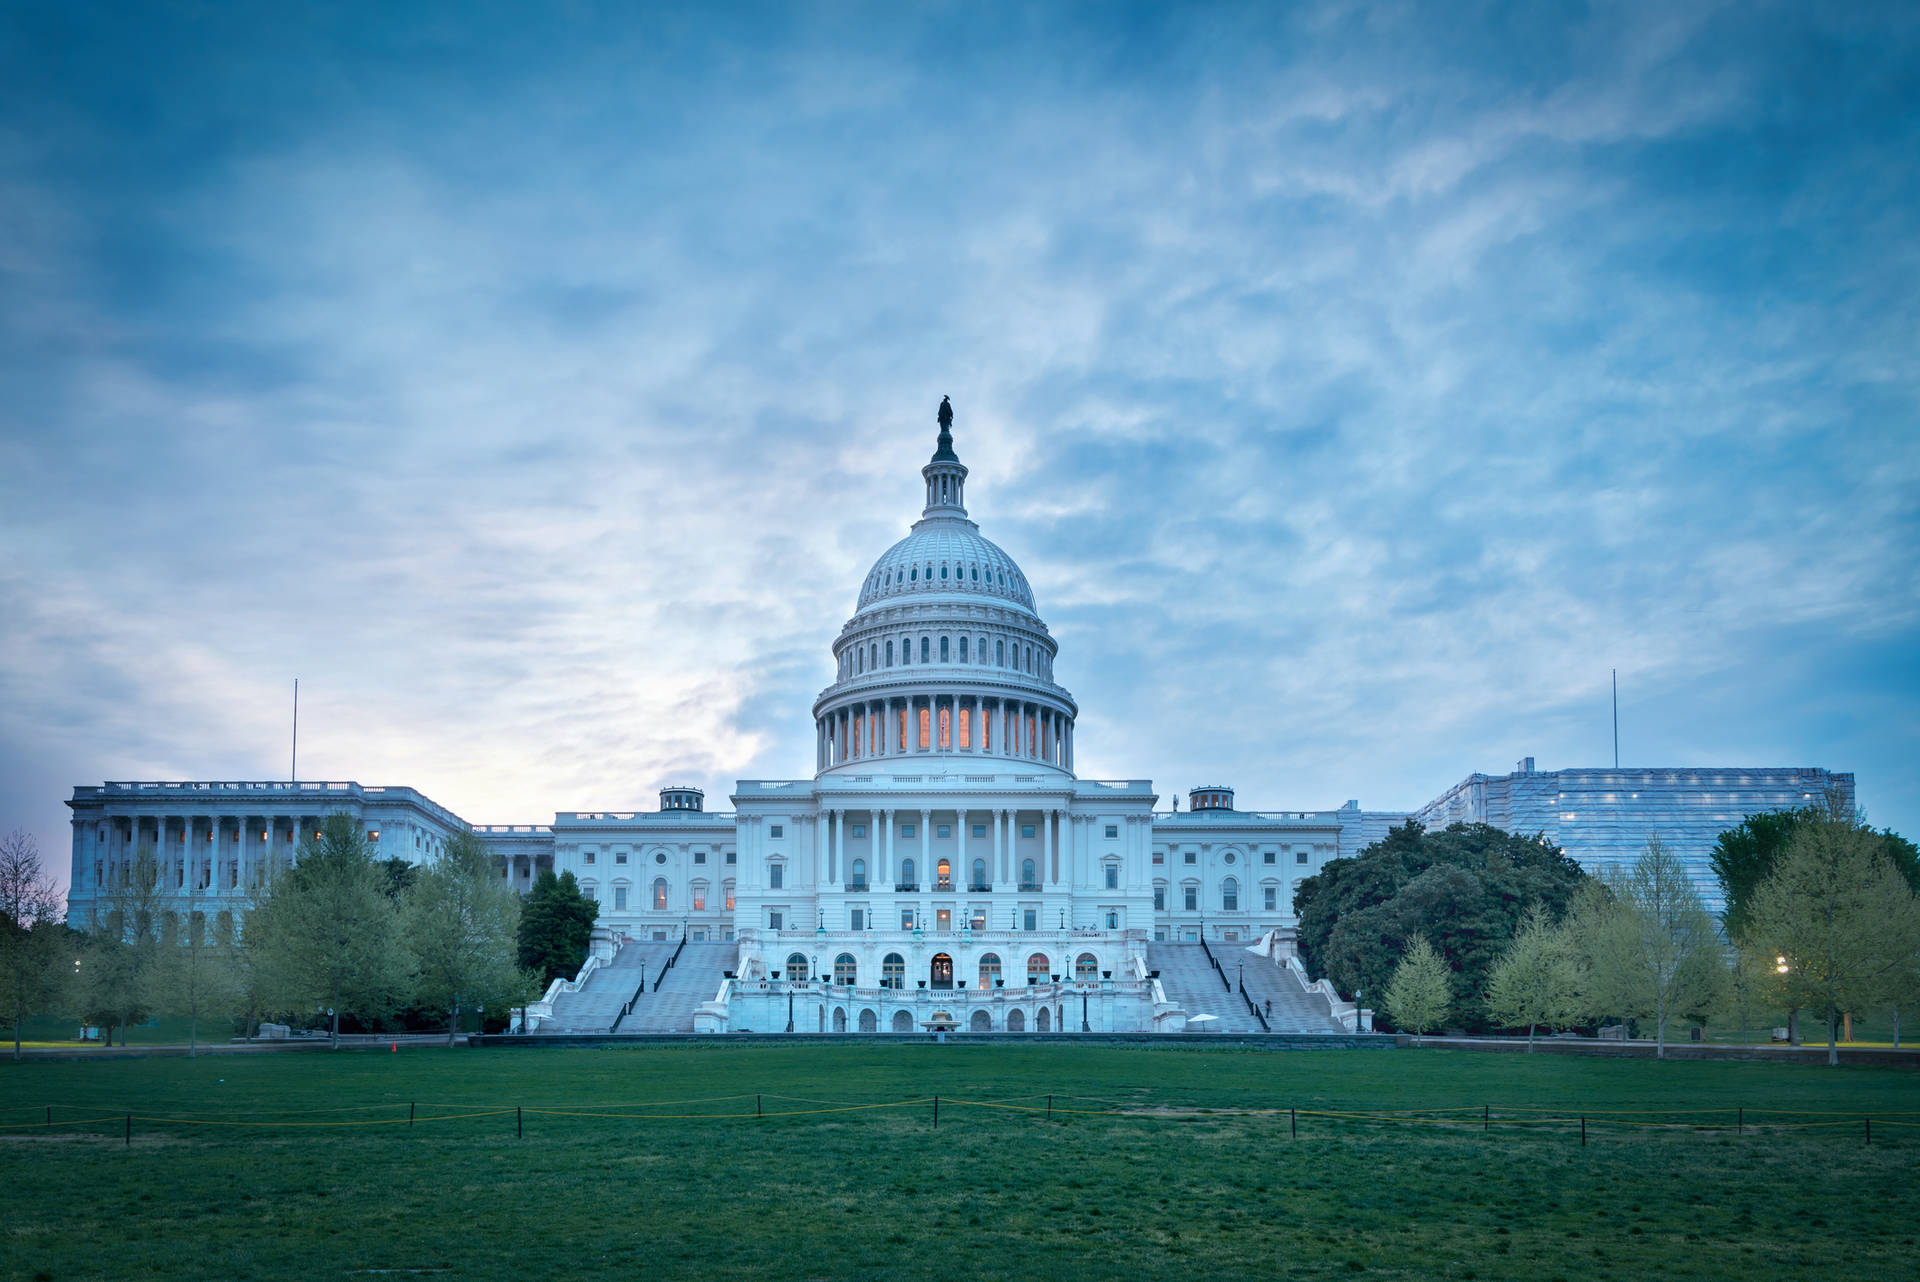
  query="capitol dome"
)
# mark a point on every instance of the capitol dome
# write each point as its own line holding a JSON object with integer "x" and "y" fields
{"x": 946, "y": 653}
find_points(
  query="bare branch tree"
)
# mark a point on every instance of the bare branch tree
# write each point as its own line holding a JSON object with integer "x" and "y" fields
{"x": 31, "y": 915}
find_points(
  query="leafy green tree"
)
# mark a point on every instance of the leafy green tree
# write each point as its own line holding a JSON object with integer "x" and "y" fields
{"x": 1420, "y": 989}
{"x": 198, "y": 972}
{"x": 400, "y": 876}
{"x": 1844, "y": 917}
{"x": 462, "y": 924}
{"x": 331, "y": 932}
{"x": 1535, "y": 981}
{"x": 120, "y": 972}
{"x": 32, "y": 938}
{"x": 1744, "y": 855}
{"x": 1749, "y": 979}
{"x": 1463, "y": 888}
{"x": 556, "y": 927}
{"x": 1652, "y": 949}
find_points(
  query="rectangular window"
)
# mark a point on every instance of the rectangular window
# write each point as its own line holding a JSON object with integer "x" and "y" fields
{"x": 926, "y": 730}
{"x": 966, "y": 726}
{"x": 979, "y": 917}
{"x": 1159, "y": 899}
{"x": 906, "y": 830}
{"x": 906, "y": 919}
{"x": 856, "y": 919}
{"x": 942, "y": 830}
{"x": 777, "y": 876}
{"x": 620, "y": 858}
{"x": 1193, "y": 898}
{"x": 1299, "y": 856}
{"x": 1113, "y": 920}
{"x": 777, "y": 830}
{"x": 588, "y": 857}
{"x": 1270, "y": 897}
{"x": 1268, "y": 857}
{"x": 1159, "y": 856}
{"x": 699, "y": 899}
{"x": 619, "y": 899}
{"x": 773, "y": 919}
{"x": 729, "y": 897}
{"x": 1031, "y": 919}
{"x": 730, "y": 856}
{"x": 859, "y": 830}
{"x": 1113, "y": 831}
{"x": 1113, "y": 876}
{"x": 1192, "y": 858}
{"x": 979, "y": 830}
{"x": 1026, "y": 830}
{"x": 699, "y": 856}
{"x": 946, "y": 729}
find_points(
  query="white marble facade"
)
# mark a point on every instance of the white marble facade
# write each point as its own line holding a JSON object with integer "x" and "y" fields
{"x": 944, "y": 840}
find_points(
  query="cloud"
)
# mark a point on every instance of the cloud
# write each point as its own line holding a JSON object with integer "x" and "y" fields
{"x": 1355, "y": 393}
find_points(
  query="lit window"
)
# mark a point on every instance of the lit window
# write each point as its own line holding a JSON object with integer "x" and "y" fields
{"x": 588, "y": 857}
{"x": 729, "y": 896}
{"x": 659, "y": 894}
{"x": 699, "y": 899}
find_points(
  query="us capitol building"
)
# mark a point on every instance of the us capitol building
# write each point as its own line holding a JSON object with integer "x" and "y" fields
{"x": 945, "y": 863}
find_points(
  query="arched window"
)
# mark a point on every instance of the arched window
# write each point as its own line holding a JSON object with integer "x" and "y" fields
{"x": 1043, "y": 1020}
{"x": 999, "y": 654}
{"x": 859, "y": 661}
{"x": 1029, "y": 660}
{"x": 1230, "y": 895}
{"x": 889, "y": 654}
{"x": 660, "y": 893}
{"x": 980, "y": 1022}
{"x": 869, "y": 1022}
{"x": 926, "y": 644}
{"x": 989, "y": 969}
{"x": 859, "y": 874}
{"x": 873, "y": 656}
{"x": 976, "y": 574}
{"x": 945, "y": 870}
{"x": 914, "y": 574}
{"x": 1027, "y": 881}
{"x": 845, "y": 969}
{"x": 796, "y": 965}
{"x": 1086, "y": 966}
{"x": 903, "y": 1021}
{"x": 1016, "y": 1021}
{"x": 839, "y": 1019}
{"x": 963, "y": 649}
{"x": 729, "y": 895}
{"x": 979, "y": 875}
{"x": 906, "y": 873}
{"x": 943, "y": 569}
{"x": 893, "y": 971}
{"x": 1038, "y": 968}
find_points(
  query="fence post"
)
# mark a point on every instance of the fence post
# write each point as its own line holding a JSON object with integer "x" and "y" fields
{"x": 1583, "y": 1132}
{"x": 129, "y": 1130}
{"x": 519, "y": 1124}
{"x": 1293, "y": 1122}
{"x": 1049, "y": 1108}
{"x": 756, "y": 1106}
{"x": 936, "y": 1112}
{"x": 1869, "y": 1130}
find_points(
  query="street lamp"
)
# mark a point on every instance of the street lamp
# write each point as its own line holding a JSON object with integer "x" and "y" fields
{"x": 1083, "y": 1012}
{"x": 789, "y": 1008}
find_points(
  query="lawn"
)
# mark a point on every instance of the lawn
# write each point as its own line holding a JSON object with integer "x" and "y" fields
{"x": 1124, "y": 1180}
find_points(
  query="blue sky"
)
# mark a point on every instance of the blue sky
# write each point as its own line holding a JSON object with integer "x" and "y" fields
{"x": 1356, "y": 384}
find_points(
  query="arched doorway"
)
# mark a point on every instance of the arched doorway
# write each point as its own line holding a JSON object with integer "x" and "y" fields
{"x": 869, "y": 1022}
{"x": 980, "y": 1023}
{"x": 989, "y": 969}
{"x": 940, "y": 973}
{"x": 1038, "y": 969}
{"x": 902, "y": 1021}
{"x": 893, "y": 971}
{"x": 1041, "y": 1020}
{"x": 839, "y": 1019}
{"x": 1016, "y": 1021}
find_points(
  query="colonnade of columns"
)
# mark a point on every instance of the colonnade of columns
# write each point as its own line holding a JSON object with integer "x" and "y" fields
{"x": 972, "y": 724}
{"x": 213, "y": 853}
{"x": 1004, "y": 865}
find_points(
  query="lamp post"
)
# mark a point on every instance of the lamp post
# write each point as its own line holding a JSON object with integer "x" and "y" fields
{"x": 789, "y": 1007}
{"x": 1084, "y": 1027}
{"x": 1780, "y": 967}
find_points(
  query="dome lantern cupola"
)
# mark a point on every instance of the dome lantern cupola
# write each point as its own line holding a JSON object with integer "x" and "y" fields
{"x": 946, "y": 474}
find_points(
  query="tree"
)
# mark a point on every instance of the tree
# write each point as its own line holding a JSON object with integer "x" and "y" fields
{"x": 556, "y": 927}
{"x": 1421, "y": 988}
{"x": 1842, "y": 914}
{"x": 31, "y": 930}
{"x": 198, "y": 972}
{"x": 1744, "y": 855}
{"x": 462, "y": 923}
{"x": 1464, "y": 888}
{"x": 1535, "y": 981}
{"x": 1652, "y": 949}
{"x": 1749, "y": 978}
{"x": 119, "y": 975}
{"x": 332, "y": 933}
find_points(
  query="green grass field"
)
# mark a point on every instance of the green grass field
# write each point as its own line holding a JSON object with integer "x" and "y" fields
{"x": 1124, "y": 1181}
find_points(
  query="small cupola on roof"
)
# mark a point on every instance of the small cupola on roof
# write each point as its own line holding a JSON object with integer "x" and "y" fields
{"x": 946, "y": 474}
{"x": 682, "y": 799}
{"x": 1210, "y": 797}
